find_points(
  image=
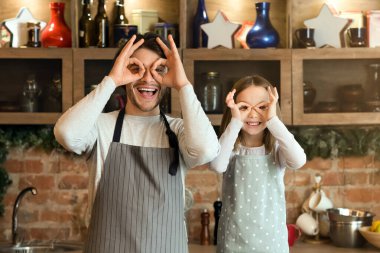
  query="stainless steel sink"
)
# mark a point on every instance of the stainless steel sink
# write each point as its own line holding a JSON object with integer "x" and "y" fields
{"x": 52, "y": 247}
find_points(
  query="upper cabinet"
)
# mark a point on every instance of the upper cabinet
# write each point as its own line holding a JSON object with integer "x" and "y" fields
{"x": 336, "y": 86}
{"x": 35, "y": 85}
{"x": 329, "y": 71}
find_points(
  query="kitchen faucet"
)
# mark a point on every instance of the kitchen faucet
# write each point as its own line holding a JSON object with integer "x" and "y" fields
{"x": 15, "y": 211}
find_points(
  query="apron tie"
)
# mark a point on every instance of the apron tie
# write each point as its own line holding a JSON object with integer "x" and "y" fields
{"x": 173, "y": 142}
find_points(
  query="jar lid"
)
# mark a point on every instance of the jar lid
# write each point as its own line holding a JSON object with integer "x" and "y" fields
{"x": 32, "y": 24}
{"x": 213, "y": 74}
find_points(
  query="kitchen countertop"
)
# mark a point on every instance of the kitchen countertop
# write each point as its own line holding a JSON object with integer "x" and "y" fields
{"x": 299, "y": 247}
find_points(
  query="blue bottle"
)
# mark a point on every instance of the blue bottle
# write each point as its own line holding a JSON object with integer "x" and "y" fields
{"x": 200, "y": 38}
{"x": 262, "y": 34}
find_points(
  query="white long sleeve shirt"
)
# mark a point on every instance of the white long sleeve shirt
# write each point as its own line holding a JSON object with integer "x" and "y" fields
{"x": 85, "y": 129}
{"x": 288, "y": 153}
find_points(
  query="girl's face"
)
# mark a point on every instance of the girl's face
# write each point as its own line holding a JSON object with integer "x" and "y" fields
{"x": 249, "y": 101}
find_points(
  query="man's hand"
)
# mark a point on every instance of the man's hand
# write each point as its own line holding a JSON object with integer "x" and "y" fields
{"x": 120, "y": 72}
{"x": 175, "y": 76}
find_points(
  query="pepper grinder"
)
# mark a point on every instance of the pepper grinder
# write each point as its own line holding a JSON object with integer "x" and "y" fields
{"x": 217, "y": 211}
{"x": 205, "y": 232}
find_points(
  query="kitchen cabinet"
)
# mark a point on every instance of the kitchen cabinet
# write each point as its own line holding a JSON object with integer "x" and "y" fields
{"x": 15, "y": 67}
{"x": 90, "y": 67}
{"x": 286, "y": 67}
{"x": 334, "y": 74}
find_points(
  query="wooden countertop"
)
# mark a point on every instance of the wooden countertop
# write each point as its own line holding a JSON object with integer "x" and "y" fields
{"x": 299, "y": 247}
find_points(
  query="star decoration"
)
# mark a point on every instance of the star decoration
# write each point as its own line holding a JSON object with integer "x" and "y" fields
{"x": 220, "y": 32}
{"x": 328, "y": 28}
{"x": 17, "y": 26}
{"x": 241, "y": 34}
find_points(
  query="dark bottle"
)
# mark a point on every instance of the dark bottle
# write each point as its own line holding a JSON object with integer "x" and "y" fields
{"x": 86, "y": 26}
{"x": 102, "y": 26}
{"x": 120, "y": 23}
{"x": 217, "y": 211}
{"x": 205, "y": 232}
{"x": 200, "y": 38}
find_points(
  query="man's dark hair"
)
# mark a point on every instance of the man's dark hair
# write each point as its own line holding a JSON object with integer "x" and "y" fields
{"x": 149, "y": 43}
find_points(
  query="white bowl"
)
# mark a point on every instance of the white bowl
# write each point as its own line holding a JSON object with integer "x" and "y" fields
{"x": 371, "y": 237}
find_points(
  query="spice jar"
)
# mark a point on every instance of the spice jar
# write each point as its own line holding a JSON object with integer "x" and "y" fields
{"x": 33, "y": 34}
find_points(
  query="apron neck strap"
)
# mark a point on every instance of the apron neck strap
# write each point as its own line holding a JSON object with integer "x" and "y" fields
{"x": 173, "y": 142}
{"x": 118, "y": 126}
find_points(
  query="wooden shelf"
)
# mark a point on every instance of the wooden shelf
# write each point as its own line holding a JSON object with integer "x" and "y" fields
{"x": 28, "y": 118}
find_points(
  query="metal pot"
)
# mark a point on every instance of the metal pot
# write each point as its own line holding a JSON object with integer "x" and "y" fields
{"x": 347, "y": 215}
{"x": 345, "y": 224}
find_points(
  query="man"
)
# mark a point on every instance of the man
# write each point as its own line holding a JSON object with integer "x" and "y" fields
{"x": 138, "y": 157}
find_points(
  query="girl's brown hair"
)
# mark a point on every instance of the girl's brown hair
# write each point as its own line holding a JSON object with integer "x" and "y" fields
{"x": 239, "y": 86}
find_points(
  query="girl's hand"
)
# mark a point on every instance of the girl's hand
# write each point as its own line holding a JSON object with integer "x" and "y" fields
{"x": 175, "y": 76}
{"x": 121, "y": 73}
{"x": 230, "y": 102}
{"x": 268, "y": 110}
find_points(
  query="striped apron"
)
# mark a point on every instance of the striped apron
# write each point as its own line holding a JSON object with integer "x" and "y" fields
{"x": 138, "y": 205}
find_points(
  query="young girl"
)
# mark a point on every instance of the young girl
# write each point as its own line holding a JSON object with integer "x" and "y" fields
{"x": 256, "y": 147}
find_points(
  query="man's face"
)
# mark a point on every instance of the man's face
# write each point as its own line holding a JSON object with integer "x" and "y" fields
{"x": 145, "y": 94}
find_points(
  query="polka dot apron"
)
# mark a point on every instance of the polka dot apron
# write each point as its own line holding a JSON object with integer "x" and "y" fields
{"x": 253, "y": 217}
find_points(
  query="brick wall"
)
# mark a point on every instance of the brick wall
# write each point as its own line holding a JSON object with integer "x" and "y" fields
{"x": 57, "y": 211}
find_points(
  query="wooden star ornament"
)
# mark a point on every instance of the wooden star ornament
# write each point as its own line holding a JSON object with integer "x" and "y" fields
{"x": 328, "y": 27}
{"x": 220, "y": 31}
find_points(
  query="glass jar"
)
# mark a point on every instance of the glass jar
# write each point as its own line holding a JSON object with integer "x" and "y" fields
{"x": 212, "y": 94}
{"x": 374, "y": 81}
{"x": 53, "y": 101}
{"x": 30, "y": 93}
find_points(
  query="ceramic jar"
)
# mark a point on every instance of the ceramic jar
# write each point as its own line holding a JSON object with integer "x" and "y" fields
{"x": 352, "y": 93}
{"x": 262, "y": 34}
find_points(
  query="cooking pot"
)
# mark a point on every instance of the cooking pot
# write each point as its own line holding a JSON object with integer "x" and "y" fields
{"x": 345, "y": 224}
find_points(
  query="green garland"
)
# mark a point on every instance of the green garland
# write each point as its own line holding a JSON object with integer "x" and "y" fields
{"x": 330, "y": 141}
{"x": 318, "y": 141}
